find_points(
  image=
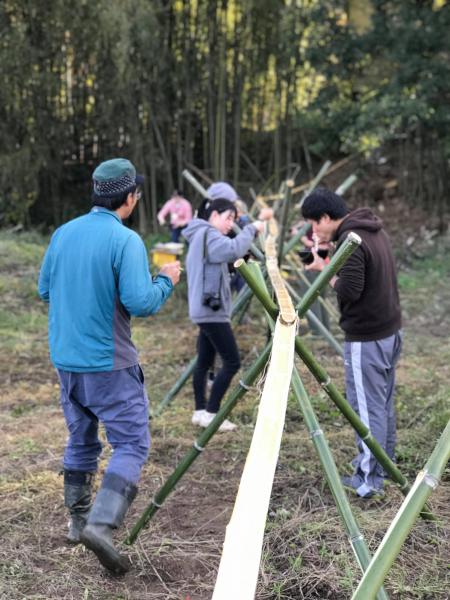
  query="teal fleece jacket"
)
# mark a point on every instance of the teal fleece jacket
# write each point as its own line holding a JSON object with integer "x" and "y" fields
{"x": 95, "y": 274}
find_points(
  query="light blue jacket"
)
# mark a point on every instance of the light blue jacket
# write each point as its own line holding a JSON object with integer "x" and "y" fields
{"x": 212, "y": 269}
{"x": 95, "y": 275}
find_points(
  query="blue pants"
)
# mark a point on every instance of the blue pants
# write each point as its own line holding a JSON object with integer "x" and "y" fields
{"x": 370, "y": 385}
{"x": 175, "y": 233}
{"x": 118, "y": 400}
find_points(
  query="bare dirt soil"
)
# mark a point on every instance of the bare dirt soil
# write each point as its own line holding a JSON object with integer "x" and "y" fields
{"x": 306, "y": 553}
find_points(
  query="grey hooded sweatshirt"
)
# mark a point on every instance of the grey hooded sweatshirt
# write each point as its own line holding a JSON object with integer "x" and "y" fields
{"x": 210, "y": 273}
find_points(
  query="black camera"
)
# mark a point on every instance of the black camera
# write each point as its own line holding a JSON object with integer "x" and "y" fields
{"x": 212, "y": 300}
{"x": 307, "y": 257}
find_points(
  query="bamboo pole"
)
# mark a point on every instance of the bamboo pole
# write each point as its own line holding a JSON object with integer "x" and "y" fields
{"x": 176, "y": 387}
{"x": 326, "y": 304}
{"x": 306, "y": 185}
{"x": 325, "y": 381}
{"x": 340, "y": 191}
{"x": 239, "y": 565}
{"x": 350, "y": 244}
{"x": 331, "y": 473}
{"x": 238, "y": 391}
{"x": 284, "y": 219}
{"x": 287, "y": 247}
{"x": 326, "y": 458}
{"x": 320, "y": 175}
{"x": 426, "y": 482}
{"x": 195, "y": 183}
{"x": 316, "y": 322}
{"x": 238, "y": 304}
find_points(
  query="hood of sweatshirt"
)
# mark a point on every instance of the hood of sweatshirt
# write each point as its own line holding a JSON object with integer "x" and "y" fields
{"x": 361, "y": 218}
{"x": 193, "y": 227}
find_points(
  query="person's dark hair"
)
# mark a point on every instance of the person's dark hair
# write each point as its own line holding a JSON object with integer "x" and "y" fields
{"x": 111, "y": 202}
{"x": 219, "y": 205}
{"x": 322, "y": 202}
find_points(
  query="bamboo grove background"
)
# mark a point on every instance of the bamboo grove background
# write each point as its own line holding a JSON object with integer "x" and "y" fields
{"x": 240, "y": 88}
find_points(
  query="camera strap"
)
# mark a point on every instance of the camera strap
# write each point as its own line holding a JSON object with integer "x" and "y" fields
{"x": 212, "y": 272}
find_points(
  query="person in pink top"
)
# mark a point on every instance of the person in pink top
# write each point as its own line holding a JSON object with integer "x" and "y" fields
{"x": 179, "y": 211}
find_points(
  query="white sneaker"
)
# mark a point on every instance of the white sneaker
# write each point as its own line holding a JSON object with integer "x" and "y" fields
{"x": 207, "y": 417}
{"x": 197, "y": 417}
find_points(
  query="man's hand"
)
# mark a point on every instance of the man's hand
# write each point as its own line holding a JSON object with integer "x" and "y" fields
{"x": 172, "y": 270}
{"x": 318, "y": 264}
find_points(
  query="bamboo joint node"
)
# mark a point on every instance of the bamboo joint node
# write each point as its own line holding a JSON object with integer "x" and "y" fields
{"x": 244, "y": 385}
{"x": 429, "y": 480}
{"x": 326, "y": 383}
{"x": 356, "y": 538}
{"x": 197, "y": 447}
{"x": 156, "y": 503}
{"x": 316, "y": 433}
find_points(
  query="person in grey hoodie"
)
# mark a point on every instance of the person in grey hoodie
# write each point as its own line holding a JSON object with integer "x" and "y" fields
{"x": 368, "y": 298}
{"x": 209, "y": 294}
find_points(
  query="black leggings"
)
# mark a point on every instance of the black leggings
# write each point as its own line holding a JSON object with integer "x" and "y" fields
{"x": 214, "y": 338}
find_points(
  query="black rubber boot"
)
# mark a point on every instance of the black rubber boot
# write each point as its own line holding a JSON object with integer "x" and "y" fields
{"x": 111, "y": 504}
{"x": 77, "y": 498}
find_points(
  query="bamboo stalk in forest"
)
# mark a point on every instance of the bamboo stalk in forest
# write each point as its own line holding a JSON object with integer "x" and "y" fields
{"x": 426, "y": 482}
{"x": 247, "y": 380}
{"x": 331, "y": 472}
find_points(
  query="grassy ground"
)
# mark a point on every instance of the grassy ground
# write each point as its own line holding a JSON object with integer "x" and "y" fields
{"x": 306, "y": 553}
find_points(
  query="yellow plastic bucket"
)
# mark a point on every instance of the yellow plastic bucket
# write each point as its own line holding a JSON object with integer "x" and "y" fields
{"x": 166, "y": 253}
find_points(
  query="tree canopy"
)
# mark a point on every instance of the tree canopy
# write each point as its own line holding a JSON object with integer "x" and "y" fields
{"x": 239, "y": 88}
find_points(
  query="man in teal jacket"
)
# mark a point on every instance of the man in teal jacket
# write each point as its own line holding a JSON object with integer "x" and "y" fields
{"x": 94, "y": 276}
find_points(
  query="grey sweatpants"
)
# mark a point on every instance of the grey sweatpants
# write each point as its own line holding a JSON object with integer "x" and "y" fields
{"x": 370, "y": 384}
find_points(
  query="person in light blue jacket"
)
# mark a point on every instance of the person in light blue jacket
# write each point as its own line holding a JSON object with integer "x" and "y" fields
{"x": 95, "y": 275}
{"x": 209, "y": 293}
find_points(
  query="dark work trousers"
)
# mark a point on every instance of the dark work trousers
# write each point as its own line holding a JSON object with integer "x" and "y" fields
{"x": 370, "y": 386}
{"x": 214, "y": 338}
{"x": 117, "y": 399}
